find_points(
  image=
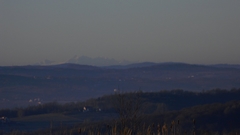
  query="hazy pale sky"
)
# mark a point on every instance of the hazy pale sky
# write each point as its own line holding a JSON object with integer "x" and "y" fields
{"x": 191, "y": 31}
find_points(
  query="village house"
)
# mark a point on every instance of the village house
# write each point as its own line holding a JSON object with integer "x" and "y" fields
{"x": 4, "y": 120}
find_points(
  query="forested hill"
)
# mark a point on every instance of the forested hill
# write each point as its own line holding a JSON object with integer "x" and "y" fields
{"x": 213, "y": 111}
{"x": 177, "y": 99}
{"x": 150, "y": 102}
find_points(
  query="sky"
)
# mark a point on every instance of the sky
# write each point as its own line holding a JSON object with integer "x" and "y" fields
{"x": 189, "y": 31}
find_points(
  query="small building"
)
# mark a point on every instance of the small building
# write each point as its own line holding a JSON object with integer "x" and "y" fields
{"x": 88, "y": 109}
{"x": 4, "y": 120}
{"x": 85, "y": 109}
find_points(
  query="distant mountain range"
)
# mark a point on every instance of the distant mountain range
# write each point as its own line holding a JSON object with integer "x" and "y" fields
{"x": 84, "y": 60}
{"x": 227, "y": 66}
{"x": 116, "y": 64}
{"x": 99, "y": 61}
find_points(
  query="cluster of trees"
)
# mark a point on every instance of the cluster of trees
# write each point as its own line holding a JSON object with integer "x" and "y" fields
{"x": 219, "y": 117}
